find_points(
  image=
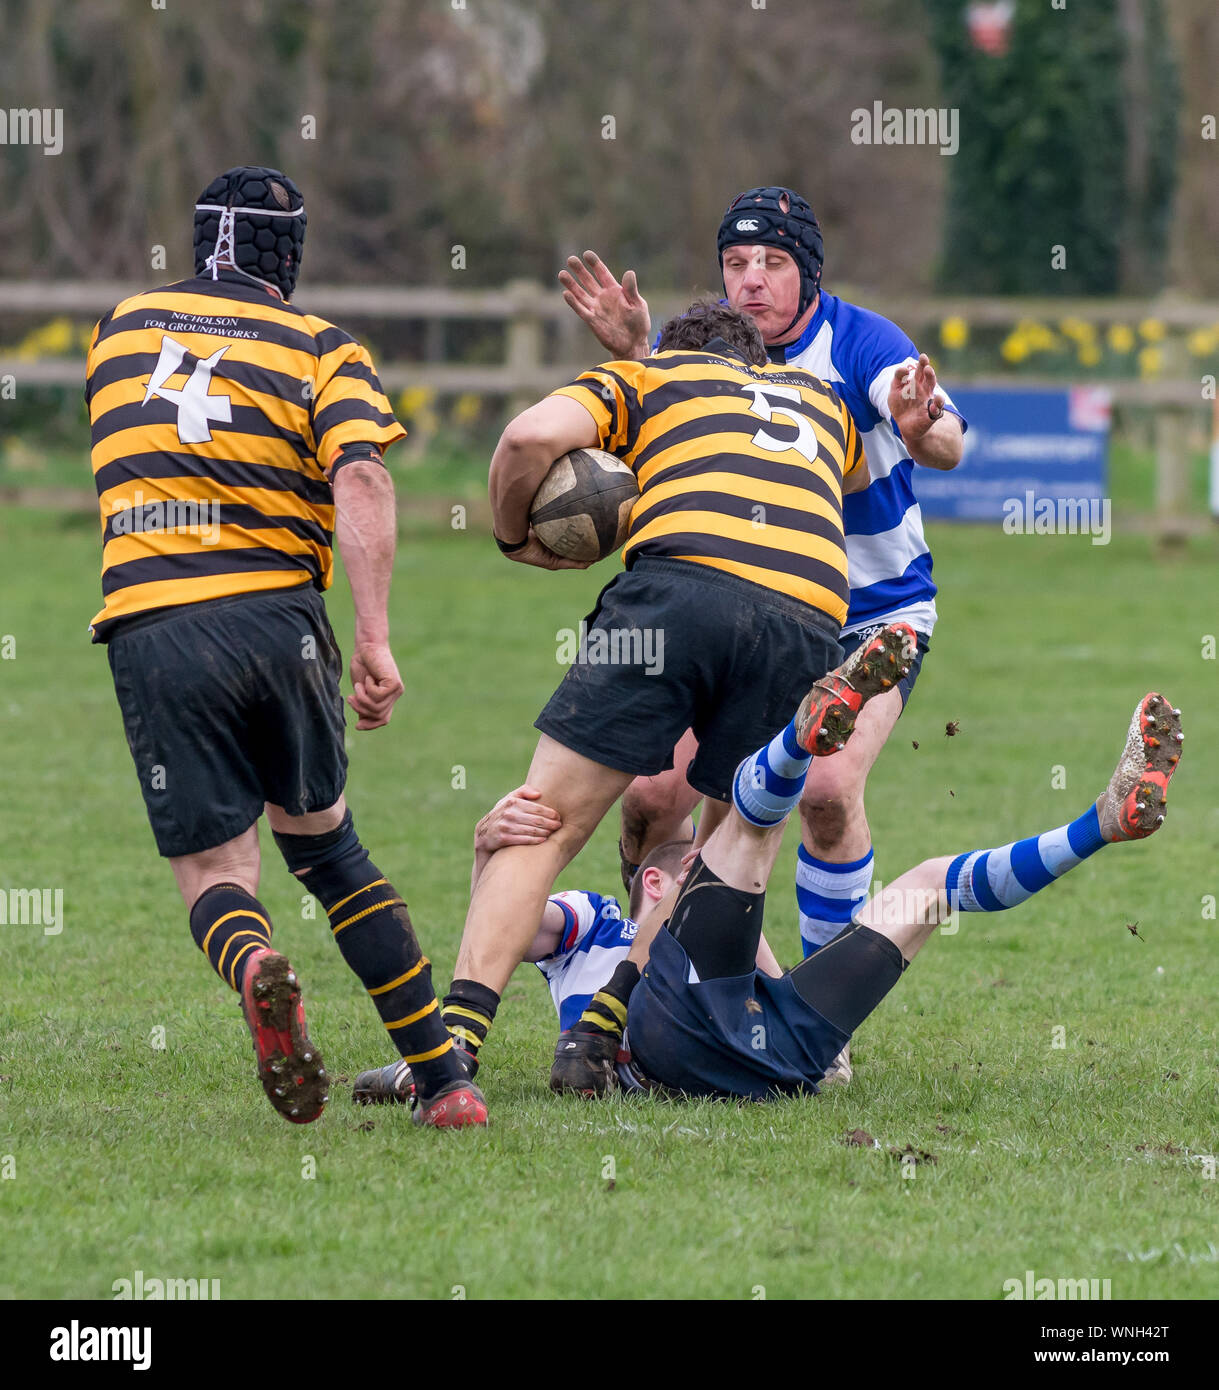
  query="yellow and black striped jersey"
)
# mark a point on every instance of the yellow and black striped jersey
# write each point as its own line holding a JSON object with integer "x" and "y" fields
{"x": 739, "y": 467}
{"x": 215, "y": 409}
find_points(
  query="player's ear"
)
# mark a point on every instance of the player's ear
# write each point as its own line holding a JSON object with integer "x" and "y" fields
{"x": 654, "y": 884}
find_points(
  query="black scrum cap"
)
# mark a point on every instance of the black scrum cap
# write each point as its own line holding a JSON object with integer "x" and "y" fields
{"x": 257, "y": 218}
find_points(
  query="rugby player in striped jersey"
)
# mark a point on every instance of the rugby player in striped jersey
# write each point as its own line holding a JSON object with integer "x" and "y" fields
{"x": 234, "y": 436}
{"x": 771, "y": 253}
{"x": 734, "y": 556}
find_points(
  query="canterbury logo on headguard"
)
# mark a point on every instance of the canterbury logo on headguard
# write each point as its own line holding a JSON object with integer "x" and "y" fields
{"x": 778, "y": 217}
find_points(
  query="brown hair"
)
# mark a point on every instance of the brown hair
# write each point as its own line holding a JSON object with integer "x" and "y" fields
{"x": 705, "y": 319}
{"x": 667, "y": 858}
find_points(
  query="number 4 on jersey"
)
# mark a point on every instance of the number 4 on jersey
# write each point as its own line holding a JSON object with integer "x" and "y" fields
{"x": 196, "y": 408}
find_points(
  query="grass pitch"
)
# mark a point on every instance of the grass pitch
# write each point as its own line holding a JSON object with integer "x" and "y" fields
{"x": 133, "y": 1134}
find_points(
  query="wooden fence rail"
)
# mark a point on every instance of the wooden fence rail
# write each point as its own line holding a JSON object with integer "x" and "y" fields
{"x": 526, "y": 308}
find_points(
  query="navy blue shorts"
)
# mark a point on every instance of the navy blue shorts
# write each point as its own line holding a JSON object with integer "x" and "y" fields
{"x": 673, "y": 645}
{"x": 746, "y": 1035}
{"x": 228, "y": 704}
{"x": 854, "y": 640}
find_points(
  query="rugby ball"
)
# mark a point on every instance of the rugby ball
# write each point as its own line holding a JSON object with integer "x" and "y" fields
{"x": 582, "y": 510}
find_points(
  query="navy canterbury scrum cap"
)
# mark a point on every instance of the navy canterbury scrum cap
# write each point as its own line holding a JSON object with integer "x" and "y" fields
{"x": 255, "y": 218}
{"x": 777, "y": 217}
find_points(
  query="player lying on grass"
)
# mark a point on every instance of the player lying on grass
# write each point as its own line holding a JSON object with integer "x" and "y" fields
{"x": 771, "y": 254}
{"x": 748, "y": 597}
{"x": 225, "y": 666}
{"x": 583, "y": 936}
{"x": 583, "y": 940}
{"x": 704, "y": 1020}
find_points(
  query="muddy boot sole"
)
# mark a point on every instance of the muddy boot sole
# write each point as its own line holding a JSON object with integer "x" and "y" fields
{"x": 828, "y": 713}
{"x": 289, "y": 1065}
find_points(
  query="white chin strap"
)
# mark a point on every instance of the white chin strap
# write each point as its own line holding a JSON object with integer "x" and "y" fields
{"x": 224, "y": 244}
{"x": 224, "y": 257}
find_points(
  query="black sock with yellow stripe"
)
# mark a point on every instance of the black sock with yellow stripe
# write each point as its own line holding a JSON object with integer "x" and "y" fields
{"x": 606, "y": 1012}
{"x": 229, "y": 925}
{"x": 469, "y": 1009}
{"x": 373, "y": 930}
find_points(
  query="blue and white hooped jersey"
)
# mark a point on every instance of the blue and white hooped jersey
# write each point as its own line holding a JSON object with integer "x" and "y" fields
{"x": 596, "y": 937}
{"x": 888, "y": 563}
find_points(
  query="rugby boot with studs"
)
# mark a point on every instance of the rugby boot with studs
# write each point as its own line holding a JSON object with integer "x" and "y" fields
{"x": 839, "y": 1072}
{"x": 389, "y": 1085}
{"x": 455, "y": 1106}
{"x": 584, "y": 1063}
{"x": 826, "y": 717}
{"x": 458, "y": 1105}
{"x": 289, "y": 1065}
{"x": 1133, "y": 805}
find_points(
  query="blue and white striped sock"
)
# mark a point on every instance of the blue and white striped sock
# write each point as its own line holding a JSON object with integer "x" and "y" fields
{"x": 768, "y": 784}
{"x": 989, "y": 880}
{"x": 827, "y": 896}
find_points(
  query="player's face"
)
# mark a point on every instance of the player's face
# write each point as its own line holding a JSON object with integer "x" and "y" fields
{"x": 764, "y": 282}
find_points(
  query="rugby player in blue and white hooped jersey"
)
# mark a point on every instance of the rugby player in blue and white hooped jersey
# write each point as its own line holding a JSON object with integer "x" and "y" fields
{"x": 771, "y": 255}
{"x": 711, "y": 1014}
{"x": 584, "y": 936}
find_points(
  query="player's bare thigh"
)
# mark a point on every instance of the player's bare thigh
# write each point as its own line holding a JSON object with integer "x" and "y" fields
{"x": 238, "y": 860}
{"x": 579, "y": 789}
{"x": 312, "y": 823}
{"x": 510, "y": 896}
{"x": 654, "y": 808}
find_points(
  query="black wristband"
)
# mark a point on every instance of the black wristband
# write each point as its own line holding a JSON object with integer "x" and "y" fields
{"x": 510, "y": 549}
{"x": 355, "y": 453}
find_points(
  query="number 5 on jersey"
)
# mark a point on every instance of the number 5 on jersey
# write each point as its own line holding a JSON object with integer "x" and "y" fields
{"x": 805, "y": 442}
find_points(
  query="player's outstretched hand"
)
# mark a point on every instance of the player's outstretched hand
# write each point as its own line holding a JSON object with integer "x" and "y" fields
{"x": 376, "y": 683}
{"x": 516, "y": 819}
{"x": 913, "y": 387}
{"x": 536, "y": 553}
{"x": 617, "y": 313}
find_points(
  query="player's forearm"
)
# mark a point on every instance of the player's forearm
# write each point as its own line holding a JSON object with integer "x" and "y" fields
{"x": 366, "y": 528}
{"x": 550, "y": 934}
{"x": 940, "y": 446}
{"x": 517, "y": 468}
{"x": 614, "y": 339}
{"x": 525, "y": 453}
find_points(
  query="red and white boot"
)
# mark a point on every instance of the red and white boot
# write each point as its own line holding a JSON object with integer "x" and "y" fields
{"x": 289, "y": 1066}
{"x": 458, "y": 1105}
{"x": 826, "y": 717}
{"x": 1133, "y": 805}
